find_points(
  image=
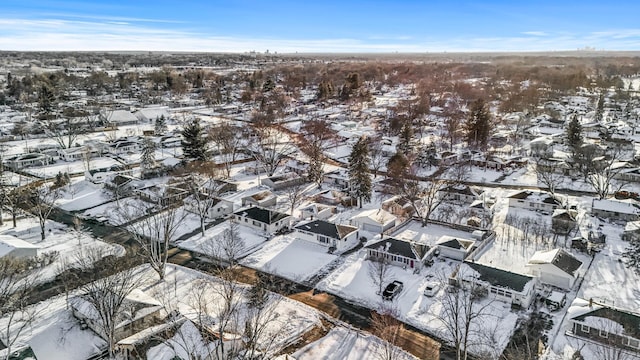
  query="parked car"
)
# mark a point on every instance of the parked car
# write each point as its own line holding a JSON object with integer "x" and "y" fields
{"x": 432, "y": 288}
{"x": 392, "y": 290}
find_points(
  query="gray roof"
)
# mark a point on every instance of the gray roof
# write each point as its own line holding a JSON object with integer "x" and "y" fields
{"x": 501, "y": 278}
{"x": 398, "y": 247}
{"x": 327, "y": 229}
{"x": 566, "y": 262}
{"x": 262, "y": 215}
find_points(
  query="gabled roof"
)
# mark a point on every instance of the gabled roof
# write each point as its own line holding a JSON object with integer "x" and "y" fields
{"x": 454, "y": 243}
{"x": 559, "y": 258}
{"x": 581, "y": 310}
{"x": 500, "y": 278}
{"x": 8, "y": 243}
{"x": 327, "y": 229}
{"x": 378, "y": 216}
{"x": 262, "y": 215}
{"x": 398, "y": 247}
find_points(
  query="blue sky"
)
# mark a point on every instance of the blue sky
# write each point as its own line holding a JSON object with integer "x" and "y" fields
{"x": 319, "y": 26}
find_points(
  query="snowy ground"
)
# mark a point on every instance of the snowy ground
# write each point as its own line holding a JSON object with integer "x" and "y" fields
{"x": 82, "y": 195}
{"x": 55, "y": 334}
{"x": 342, "y": 343}
{"x": 70, "y": 244}
{"x": 352, "y": 281}
{"x": 428, "y": 235}
{"x": 75, "y": 167}
{"x": 210, "y": 244}
{"x": 290, "y": 258}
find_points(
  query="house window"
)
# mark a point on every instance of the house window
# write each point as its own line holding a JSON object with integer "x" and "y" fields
{"x": 604, "y": 334}
{"x": 323, "y": 239}
{"x": 584, "y": 328}
{"x": 634, "y": 343}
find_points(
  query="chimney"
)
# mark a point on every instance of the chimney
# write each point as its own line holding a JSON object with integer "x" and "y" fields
{"x": 590, "y": 302}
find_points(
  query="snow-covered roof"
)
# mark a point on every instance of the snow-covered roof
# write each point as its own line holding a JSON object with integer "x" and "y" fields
{"x": 619, "y": 206}
{"x": 119, "y": 116}
{"x": 605, "y": 317}
{"x": 557, "y": 257}
{"x": 9, "y": 243}
{"x": 378, "y": 216}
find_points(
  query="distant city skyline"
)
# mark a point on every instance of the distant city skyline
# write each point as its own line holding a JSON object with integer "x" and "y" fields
{"x": 346, "y": 26}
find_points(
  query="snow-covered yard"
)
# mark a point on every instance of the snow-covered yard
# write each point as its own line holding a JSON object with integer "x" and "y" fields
{"x": 290, "y": 258}
{"x": 82, "y": 195}
{"x": 210, "y": 243}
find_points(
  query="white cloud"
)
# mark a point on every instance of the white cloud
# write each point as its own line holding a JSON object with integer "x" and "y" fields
{"x": 111, "y": 34}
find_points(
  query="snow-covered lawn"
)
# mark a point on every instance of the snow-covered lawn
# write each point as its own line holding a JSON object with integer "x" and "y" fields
{"x": 290, "y": 258}
{"x": 210, "y": 243}
{"x": 352, "y": 281}
{"x": 113, "y": 211}
{"x": 342, "y": 343}
{"x": 70, "y": 244}
{"x": 428, "y": 235}
{"x": 82, "y": 195}
{"x": 56, "y": 335}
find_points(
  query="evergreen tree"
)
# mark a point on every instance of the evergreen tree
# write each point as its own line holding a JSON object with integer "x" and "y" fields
{"x": 46, "y": 100}
{"x": 406, "y": 134}
{"x": 574, "y": 134}
{"x": 478, "y": 125}
{"x": 632, "y": 256}
{"x": 599, "y": 109}
{"x": 61, "y": 180}
{"x": 194, "y": 142}
{"x": 359, "y": 176}
{"x": 160, "y": 126}
{"x": 148, "y": 159}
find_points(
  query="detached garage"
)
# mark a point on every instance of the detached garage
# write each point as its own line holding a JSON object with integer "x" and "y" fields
{"x": 555, "y": 267}
{"x": 375, "y": 221}
{"x": 11, "y": 246}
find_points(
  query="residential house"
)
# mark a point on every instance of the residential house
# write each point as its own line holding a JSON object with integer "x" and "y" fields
{"x": 631, "y": 231}
{"x": 563, "y": 221}
{"x": 317, "y": 211}
{"x": 77, "y": 153}
{"x": 266, "y": 220}
{"x": 281, "y": 181}
{"x": 118, "y": 117}
{"x": 218, "y": 207}
{"x": 454, "y": 248}
{"x": 337, "y": 178}
{"x": 125, "y": 146}
{"x": 28, "y": 160}
{"x": 607, "y": 325}
{"x": 333, "y": 236}
{"x": 263, "y": 198}
{"x": 402, "y": 253}
{"x": 150, "y": 114}
{"x": 374, "y": 220}
{"x": 461, "y": 193}
{"x": 11, "y": 246}
{"x": 555, "y": 267}
{"x": 534, "y": 201}
{"x": 139, "y": 311}
{"x": 624, "y": 210}
{"x": 332, "y": 197}
{"x": 515, "y": 289}
{"x": 398, "y": 206}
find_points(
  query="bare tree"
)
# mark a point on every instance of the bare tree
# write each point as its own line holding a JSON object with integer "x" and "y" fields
{"x": 260, "y": 323}
{"x": 547, "y": 173}
{"x": 432, "y": 196}
{"x": 295, "y": 194}
{"x": 228, "y": 141}
{"x": 464, "y": 308}
{"x": 377, "y": 155}
{"x": 270, "y": 147}
{"x": 202, "y": 190}
{"x": 65, "y": 131}
{"x": 106, "y": 295}
{"x": 226, "y": 247}
{"x": 603, "y": 173}
{"x": 17, "y": 283}
{"x": 154, "y": 231}
{"x": 379, "y": 271}
{"x": 40, "y": 201}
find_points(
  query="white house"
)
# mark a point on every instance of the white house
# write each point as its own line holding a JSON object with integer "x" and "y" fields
{"x": 26, "y": 160}
{"x": 626, "y": 210}
{"x": 124, "y": 147}
{"x": 152, "y": 113}
{"x": 461, "y": 193}
{"x": 11, "y": 246}
{"x": 535, "y": 201}
{"x": 374, "y": 220}
{"x": 317, "y": 211}
{"x": 339, "y": 237}
{"x": 262, "y": 219}
{"x": 119, "y": 117}
{"x": 555, "y": 267}
{"x": 398, "y": 252}
{"x": 454, "y": 248}
{"x": 217, "y": 209}
{"x": 502, "y": 285}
